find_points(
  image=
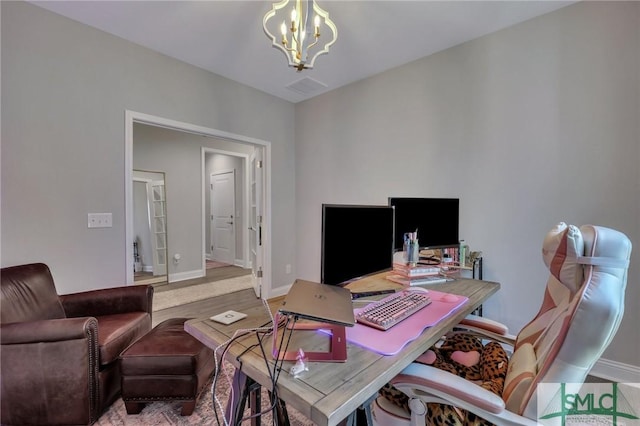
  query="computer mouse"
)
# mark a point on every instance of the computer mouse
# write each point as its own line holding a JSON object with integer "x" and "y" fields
{"x": 449, "y": 298}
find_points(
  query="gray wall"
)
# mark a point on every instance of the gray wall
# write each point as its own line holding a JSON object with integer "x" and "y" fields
{"x": 65, "y": 89}
{"x": 528, "y": 126}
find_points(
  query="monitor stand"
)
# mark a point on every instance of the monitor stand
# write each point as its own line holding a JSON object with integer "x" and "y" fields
{"x": 337, "y": 349}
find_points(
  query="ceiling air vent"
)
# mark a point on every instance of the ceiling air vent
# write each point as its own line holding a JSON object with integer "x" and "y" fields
{"x": 306, "y": 86}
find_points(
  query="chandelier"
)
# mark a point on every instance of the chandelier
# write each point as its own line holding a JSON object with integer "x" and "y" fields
{"x": 303, "y": 23}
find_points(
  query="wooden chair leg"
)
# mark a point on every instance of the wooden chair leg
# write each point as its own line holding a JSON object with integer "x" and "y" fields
{"x": 187, "y": 408}
{"x": 134, "y": 407}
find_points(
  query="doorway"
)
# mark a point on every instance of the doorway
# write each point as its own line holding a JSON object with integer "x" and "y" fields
{"x": 222, "y": 187}
{"x": 264, "y": 279}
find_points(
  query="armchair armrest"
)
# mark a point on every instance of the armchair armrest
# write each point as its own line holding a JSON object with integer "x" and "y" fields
{"x": 108, "y": 301}
{"x": 46, "y": 331}
{"x": 50, "y": 371}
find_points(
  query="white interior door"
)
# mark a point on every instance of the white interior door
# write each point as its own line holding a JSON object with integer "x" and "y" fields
{"x": 158, "y": 226}
{"x": 256, "y": 218}
{"x": 223, "y": 202}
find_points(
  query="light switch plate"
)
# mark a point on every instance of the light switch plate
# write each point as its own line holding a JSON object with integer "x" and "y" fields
{"x": 100, "y": 220}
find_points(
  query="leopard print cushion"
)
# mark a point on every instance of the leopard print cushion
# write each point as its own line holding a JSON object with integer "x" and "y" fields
{"x": 490, "y": 373}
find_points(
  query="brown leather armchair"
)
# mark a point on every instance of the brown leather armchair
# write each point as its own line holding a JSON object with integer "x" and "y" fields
{"x": 59, "y": 354}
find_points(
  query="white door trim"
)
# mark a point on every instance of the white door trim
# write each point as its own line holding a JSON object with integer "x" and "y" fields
{"x": 138, "y": 117}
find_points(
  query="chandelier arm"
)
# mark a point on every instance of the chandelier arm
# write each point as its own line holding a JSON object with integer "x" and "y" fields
{"x": 313, "y": 44}
{"x": 291, "y": 49}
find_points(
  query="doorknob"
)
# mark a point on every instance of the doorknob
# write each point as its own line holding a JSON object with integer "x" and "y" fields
{"x": 230, "y": 223}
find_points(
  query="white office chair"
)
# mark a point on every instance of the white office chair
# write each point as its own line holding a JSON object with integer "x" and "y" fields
{"x": 581, "y": 311}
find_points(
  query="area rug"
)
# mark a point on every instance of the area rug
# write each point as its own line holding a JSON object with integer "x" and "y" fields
{"x": 168, "y": 413}
{"x": 180, "y": 296}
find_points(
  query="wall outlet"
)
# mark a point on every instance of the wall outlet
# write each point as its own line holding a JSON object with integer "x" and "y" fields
{"x": 100, "y": 220}
{"x": 287, "y": 269}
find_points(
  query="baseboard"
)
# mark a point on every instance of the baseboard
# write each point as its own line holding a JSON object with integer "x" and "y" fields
{"x": 279, "y": 291}
{"x": 188, "y": 275}
{"x": 616, "y": 371}
{"x": 236, "y": 262}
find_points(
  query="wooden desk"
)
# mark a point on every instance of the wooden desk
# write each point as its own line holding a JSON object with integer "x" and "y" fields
{"x": 329, "y": 392}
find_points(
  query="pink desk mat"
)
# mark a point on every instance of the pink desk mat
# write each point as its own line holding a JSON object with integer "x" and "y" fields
{"x": 390, "y": 342}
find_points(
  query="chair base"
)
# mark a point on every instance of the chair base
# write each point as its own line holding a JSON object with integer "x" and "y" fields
{"x": 386, "y": 413}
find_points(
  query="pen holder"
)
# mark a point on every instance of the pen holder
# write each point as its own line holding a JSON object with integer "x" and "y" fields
{"x": 411, "y": 253}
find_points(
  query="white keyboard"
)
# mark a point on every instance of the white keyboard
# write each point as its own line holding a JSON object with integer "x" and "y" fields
{"x": 393, "y": 309}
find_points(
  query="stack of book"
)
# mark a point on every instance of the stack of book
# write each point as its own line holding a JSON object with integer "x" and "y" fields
{"x": 413, "y": 275}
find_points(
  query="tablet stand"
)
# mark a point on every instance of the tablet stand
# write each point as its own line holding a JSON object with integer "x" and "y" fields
{"x": 338, "y": 345}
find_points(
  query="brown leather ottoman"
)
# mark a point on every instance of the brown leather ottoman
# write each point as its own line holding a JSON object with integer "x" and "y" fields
{"x": 166, "y": 364}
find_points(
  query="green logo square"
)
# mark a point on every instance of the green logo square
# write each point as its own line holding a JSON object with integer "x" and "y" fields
{"x": 563, "y": 404}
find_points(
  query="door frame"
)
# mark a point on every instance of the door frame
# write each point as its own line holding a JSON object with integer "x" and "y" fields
{"x": 255, "y": 180}
{"x": 132, "y": 117}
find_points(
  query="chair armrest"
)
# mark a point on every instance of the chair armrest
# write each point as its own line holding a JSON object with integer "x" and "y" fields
{"x": 108, "y": 301}
{"x": 46, "y": 331}
{"x": 486, "y": 328}
{"x": 442, "y": 383}
{"x": 50, "y": 371}
{"x": 430, "y": 384}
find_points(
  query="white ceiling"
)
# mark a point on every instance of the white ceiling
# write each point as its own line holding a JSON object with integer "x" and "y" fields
{"x": 226, "y": 37}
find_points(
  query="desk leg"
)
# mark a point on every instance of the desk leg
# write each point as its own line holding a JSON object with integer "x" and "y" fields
{"x": 280, "y": 414}
{"x": 355, "y": 418}
{"x": 249, "y": 391}
{"x": 233, "y": 411}
{"x": 255, "y": 403}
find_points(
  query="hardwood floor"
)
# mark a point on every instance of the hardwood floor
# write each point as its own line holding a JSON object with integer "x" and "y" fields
{"x": 206, "y": 307}
{"x": 237, "y": 301}
{"x": 214, "y": 274}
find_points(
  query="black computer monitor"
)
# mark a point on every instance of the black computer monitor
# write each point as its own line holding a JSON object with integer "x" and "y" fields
{"x": 435, "y": 219}
{"x": 357, "y": 240}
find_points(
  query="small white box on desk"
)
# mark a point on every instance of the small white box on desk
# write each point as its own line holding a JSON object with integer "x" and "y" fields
{"x": 228, "y": 317}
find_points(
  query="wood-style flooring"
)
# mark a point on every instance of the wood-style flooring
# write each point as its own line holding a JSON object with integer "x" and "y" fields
{"x": 238, "y": 301}
{"x": 205, "y": 308}
{"x": 213, "y": 274}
